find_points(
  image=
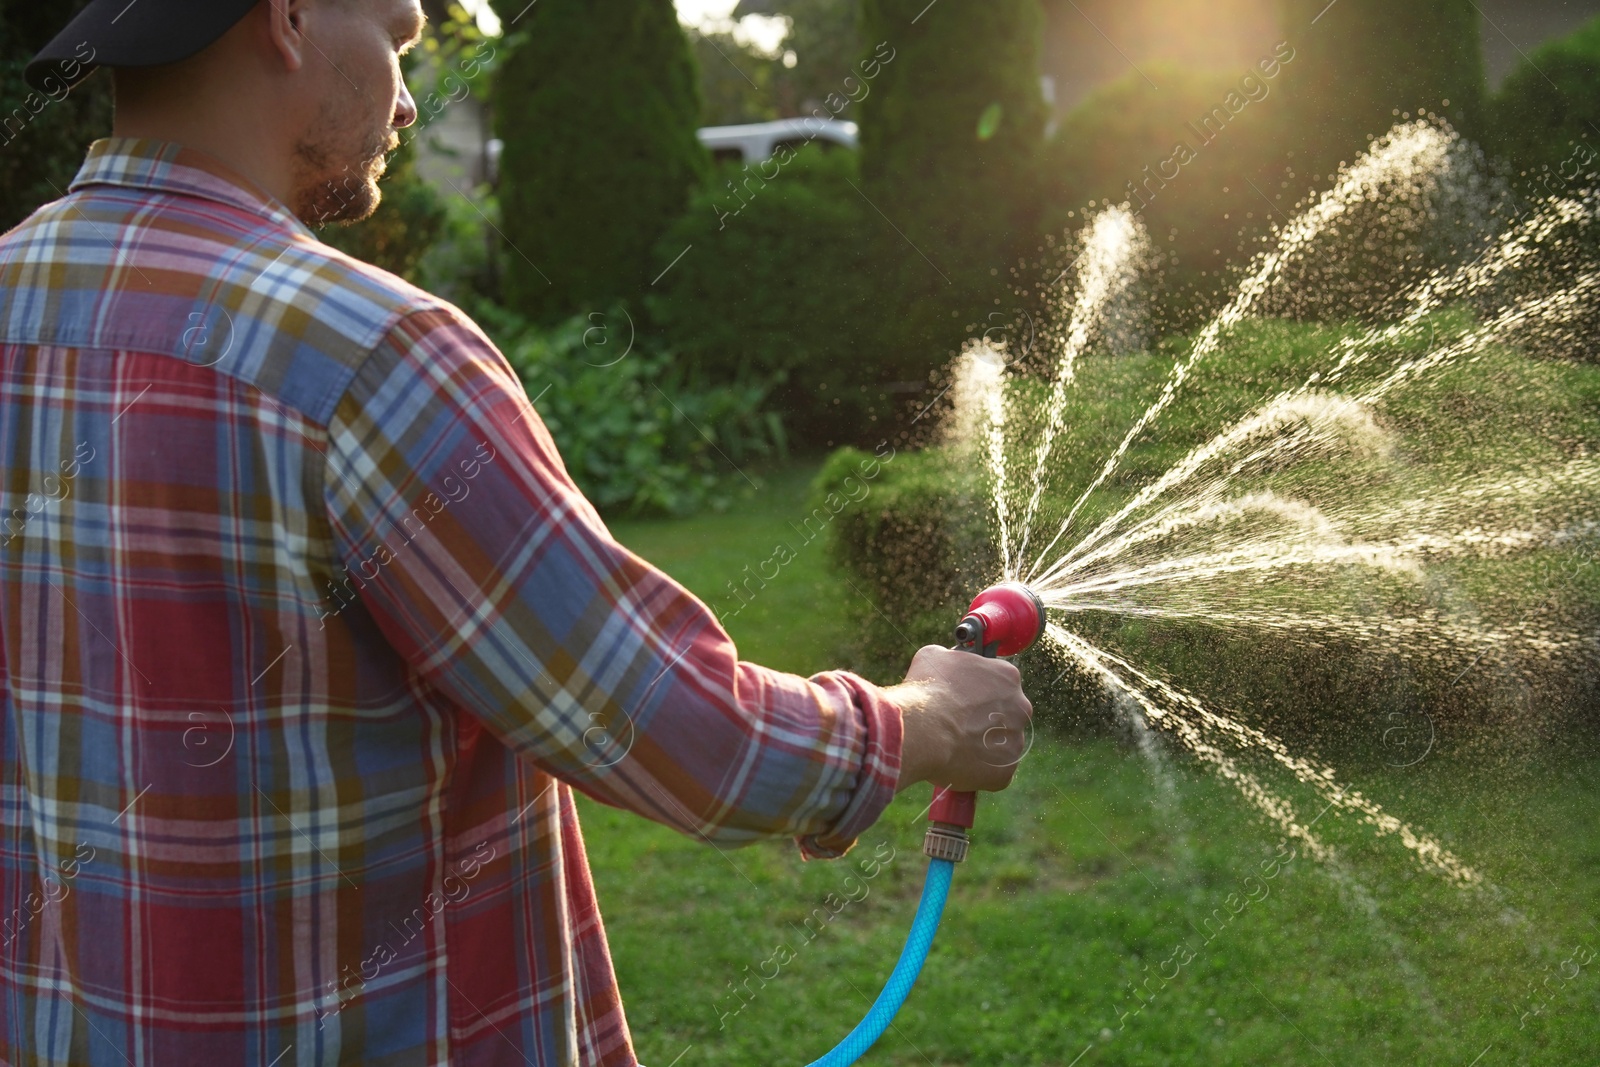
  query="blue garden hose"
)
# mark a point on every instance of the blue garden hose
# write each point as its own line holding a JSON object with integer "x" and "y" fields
{"x": 934, "y": 890}
{"x": 1002, "y": 621}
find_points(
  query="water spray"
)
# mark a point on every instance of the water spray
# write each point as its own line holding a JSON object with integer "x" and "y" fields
{"x": 1003, "y": 620}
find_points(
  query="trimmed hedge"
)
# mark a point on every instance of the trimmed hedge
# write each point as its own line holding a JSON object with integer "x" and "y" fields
{"x": 916, "y": 548}
{"x": 920, "y": 549}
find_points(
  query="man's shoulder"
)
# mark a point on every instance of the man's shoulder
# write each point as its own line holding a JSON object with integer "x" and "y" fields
{"x": 269, "y": 305}
{"x": 359, "y": 300}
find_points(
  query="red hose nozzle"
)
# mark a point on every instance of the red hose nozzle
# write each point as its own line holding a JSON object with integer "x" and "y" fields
{"x": 1003, "y": 620}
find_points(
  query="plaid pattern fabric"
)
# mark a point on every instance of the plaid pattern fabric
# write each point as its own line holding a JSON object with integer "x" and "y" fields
{"x": 308, "y": 637}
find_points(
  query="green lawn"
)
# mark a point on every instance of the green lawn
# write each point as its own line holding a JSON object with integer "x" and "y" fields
{"x": 1095, "y": 871}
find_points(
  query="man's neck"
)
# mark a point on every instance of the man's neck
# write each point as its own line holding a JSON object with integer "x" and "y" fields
{"x": 241, "y": 148}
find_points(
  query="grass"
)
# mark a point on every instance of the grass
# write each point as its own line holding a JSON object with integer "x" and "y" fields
{"x": 783, "y": 624}
{"x": 1097, "y": 870}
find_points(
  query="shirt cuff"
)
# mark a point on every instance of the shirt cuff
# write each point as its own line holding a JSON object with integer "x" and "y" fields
{"x": 882, "y": 738}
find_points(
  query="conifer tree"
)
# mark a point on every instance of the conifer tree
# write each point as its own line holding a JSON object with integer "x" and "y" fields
{"x": 951, "y": 134}
{"x": 597, "y": 105}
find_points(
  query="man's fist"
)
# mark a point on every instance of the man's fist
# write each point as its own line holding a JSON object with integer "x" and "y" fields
{"x": 965, "y": 719}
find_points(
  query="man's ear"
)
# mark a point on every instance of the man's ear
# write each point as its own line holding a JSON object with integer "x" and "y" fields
{"x": 285, "y": 29}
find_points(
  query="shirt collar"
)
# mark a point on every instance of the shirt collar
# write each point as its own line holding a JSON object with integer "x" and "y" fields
{"x": 164, "y": 166}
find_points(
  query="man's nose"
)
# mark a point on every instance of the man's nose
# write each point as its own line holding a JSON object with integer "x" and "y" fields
{"x": 405, "y": 109}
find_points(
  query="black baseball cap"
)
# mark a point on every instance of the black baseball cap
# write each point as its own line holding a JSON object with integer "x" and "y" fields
{"x": 130, "y": 33}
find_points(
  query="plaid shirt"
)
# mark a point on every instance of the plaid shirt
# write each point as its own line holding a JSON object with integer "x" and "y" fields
{"x": 308, "y": 637}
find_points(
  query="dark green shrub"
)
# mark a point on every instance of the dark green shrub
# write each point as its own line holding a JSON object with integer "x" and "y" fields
{"x": 43, "y": 138}
{"x": 598, "y": 107}
{"x": 464, "y": 261}
{"x": 1544, "y": 119}
{"x": 783, "y": 287}
{"x": 1372, "y": 61}
{"x": 639, "y": 433}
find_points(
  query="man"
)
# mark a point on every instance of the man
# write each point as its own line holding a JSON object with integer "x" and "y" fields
{"x": 308, "y": 636}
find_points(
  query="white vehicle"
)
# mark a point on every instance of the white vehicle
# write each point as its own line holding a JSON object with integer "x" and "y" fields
{"x": 756, "y": 141}
{"x": 748, "y": 143}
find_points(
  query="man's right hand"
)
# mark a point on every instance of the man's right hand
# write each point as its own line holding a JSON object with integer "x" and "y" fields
{"x": 965, "y": 720}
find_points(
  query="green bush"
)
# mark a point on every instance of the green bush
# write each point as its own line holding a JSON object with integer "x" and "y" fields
{"x": 597, "y": 106}
{"x": 783, "y": 288}
{"x": 1543, "y": 120}
{"x": 1372, "y": 61}
{"x": 919, "y": 547}
{"x": 43, "y": 138}
{"x": 639, "y": 434}
{"x": 465, "y": 259}
{"x": 915, "y": 550}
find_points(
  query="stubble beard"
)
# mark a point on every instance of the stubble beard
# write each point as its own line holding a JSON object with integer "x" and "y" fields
{"x": 335, "y": 184}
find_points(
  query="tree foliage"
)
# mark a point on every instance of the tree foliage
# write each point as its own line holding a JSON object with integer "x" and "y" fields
{"x": 1545, "y": 120}
{"x": 737, "y": 82}
{"x": 1371, "y": 61}
{"x": 597, "y": 106}
{"x": 950, "y": 140}
{"x": 43, "y": 137}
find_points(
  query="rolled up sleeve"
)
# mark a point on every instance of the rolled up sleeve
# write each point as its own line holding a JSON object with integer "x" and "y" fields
{"x": 487, "y": 570}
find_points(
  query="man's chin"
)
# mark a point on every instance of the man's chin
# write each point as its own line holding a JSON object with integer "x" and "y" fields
{"x": 338, "y": 204}
{"x": 348, "y": 217}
